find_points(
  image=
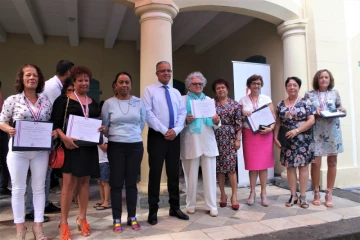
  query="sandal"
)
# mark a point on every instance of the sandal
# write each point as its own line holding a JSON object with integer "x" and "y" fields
{"x": 293, "y": 200}
{"x": 83, "y": 227}
{"x": 303, "y": 203}
{"x": 133, "y": 223}
{"x": 22, "y": 234}
{"x": 223, "y": 204}
{"x": 264, "y": 200}
{"x": 316, "y": 200}
{"x": 38, "y": 233}
{"x": 64, "y": 232}
{"x": 97, "y": 205}
{"x": 251, "y": 198}
{"x": 328, "y": 198}
{"x": 117, "y": 226}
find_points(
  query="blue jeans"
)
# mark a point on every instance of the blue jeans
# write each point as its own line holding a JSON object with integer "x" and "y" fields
{"x": 29, "y": 207}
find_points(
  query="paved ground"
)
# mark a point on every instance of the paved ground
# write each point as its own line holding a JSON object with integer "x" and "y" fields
{"x": 250, "y": 222}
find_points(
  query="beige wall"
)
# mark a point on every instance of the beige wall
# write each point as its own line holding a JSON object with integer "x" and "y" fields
{"x": 104, "y": 63}
{"x": 355, "y": 66}
{"x": 327, "y": 48}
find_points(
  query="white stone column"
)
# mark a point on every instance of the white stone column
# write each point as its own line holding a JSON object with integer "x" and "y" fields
{"x": 156, "y": 18}
{"x": 295, "y": 56}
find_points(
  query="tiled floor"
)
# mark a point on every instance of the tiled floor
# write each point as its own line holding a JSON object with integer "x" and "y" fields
{"x": 248, "y": 221}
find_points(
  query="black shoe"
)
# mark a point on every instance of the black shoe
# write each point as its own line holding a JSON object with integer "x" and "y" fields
{"x": 51, "y": 208}
{"x": 30, "y": 217}
{"x": 5, "y": 192}
{"x": 152, "y": 219}
{"x": 178, "y": 213}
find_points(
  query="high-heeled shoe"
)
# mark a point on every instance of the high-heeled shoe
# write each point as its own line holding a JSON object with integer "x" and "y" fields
{"x": 303, "y": 203}
{"x": 64, "y": 232}
{"x": 316, "y": 200}
{"x": 21, "y": 235}
{"x": 293, "y": 200}
{"x": 223, "y": 204}
{"x": 133, "y": 223}
{"x": 251, "y": 198}
{"x": 83, "y": 227}
{"x": 38, "y": 233}
{"x": 264, "y": 200}
{"x": 234, "y": 206}
{"x": 117, "y": 226}
{"x": 328, "y": 198}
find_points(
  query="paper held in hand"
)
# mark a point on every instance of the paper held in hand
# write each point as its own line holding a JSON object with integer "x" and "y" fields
{"x": 328, "y": 114}
{"x": 84, "y": 129}
{"x": 203, "y": 108}
{"x": 32, "y": 136}
{"x": 261, "y": 116}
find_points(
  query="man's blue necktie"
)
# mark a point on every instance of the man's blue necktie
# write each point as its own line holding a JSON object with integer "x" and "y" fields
{"x": 171, "y": 110}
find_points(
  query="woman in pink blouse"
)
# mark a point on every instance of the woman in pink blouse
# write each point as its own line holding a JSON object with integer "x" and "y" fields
{"x": 30, "y": 106}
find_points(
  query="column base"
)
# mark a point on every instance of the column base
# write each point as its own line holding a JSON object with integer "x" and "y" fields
{"x": 142, "y": 201}
{"x": 283, "y": 183}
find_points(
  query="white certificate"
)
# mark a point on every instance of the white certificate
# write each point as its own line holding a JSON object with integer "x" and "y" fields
{"x": 328, "y": 114}
{"x": 84, "y": 129}
{"x": 262, "y": 116}
{"x": 203, "y": 108}
{"x": 32, "y": 136}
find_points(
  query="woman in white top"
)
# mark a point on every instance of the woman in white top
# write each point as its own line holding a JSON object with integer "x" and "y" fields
{"x": 198, "y": 145}
{"x": 257, "y": 162}
{"x": 30, "y": 106}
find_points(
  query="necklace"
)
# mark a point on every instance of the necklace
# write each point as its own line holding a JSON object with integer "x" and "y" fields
{"x": 128, "y": 103}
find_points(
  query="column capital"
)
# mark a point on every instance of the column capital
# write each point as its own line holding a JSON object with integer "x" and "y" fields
{"x": 291, "y": 28}
{"x": 156, "y": 9}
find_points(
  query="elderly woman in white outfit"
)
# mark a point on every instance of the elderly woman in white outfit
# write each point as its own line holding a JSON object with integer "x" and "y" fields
{"x": 198, "y": 146}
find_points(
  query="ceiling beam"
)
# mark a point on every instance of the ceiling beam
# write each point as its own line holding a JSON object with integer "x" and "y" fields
{"x": 71, "y": 12}
{"x": 186, "y": 28}
{"x": 3, "y": 35}
{"x": 26, "y": 12}
{"x": 223, "y": 26}
{"x": 117, "y": 15}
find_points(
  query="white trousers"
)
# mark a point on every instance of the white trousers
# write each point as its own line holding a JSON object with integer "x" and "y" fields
{"x": 18, "y": 163}
{"x": 191, "y": 170}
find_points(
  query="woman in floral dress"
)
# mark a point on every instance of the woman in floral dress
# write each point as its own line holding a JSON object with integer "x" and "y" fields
{"x": 327, "y": 133}
{"x": 228, "y": 138}
{"x": 294, "y": 120}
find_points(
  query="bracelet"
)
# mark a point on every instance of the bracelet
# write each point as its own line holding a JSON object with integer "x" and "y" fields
{"x": 238, "y": 139}
{"x": 297, "y": 131}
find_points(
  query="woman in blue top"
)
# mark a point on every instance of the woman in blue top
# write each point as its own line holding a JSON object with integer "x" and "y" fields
{"x": 124, "y": 117}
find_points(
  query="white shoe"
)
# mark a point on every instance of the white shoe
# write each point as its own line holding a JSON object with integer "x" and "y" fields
{"x": 214, "y": 213}
{"x": 190, "y": 210}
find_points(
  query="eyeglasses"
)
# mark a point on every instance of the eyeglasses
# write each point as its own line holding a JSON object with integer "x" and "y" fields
{"x": 197, "y": 84}
{"x": 256, "y": 83}
{"x": 164, "y": 71}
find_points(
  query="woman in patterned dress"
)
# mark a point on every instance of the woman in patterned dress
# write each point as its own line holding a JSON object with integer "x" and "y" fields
{"x": 228, "y": 138}
{"x": 294, "y": 119}
{"x": 257, "y": 162}
{"x": 327, "y": 132}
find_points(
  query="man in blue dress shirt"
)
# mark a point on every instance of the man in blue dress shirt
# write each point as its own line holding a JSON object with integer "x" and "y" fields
{"x": 165, "y": 115}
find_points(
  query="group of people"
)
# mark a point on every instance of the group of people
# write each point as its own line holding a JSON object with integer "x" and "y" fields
{"x": 174, "y": 133}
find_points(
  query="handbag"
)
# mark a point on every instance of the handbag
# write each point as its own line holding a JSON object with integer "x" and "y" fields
{"x": 57, "y": 155}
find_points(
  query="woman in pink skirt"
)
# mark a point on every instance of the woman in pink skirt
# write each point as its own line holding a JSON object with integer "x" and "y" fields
{"x": 258, "y": 148}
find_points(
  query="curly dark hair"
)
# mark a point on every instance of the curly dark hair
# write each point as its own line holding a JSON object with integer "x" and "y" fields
{"x": 315, "y": 82}
{"x": 253, "y": 78}
{"x": 19, "y": 81}
{"x": 219, "y": 81}
{"x": 79, "y": 70}
{"x": 296, "y": 79}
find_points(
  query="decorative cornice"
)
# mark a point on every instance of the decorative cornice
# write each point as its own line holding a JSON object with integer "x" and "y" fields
{"x": 156, "y": 9}
{"x": 291, "y": 28}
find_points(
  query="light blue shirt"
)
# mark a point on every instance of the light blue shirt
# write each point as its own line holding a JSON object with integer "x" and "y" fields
{"x": 125, "y": 119}
{"x": 157, "y": 110}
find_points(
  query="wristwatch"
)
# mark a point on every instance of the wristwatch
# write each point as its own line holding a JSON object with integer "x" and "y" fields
{"x": 239, "y": 139}
{"x": 297, "y": 131}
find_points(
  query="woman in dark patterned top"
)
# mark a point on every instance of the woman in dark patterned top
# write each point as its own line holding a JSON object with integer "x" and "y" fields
{"x": 228, "y": 138}
{"x": 294, "y": 120}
